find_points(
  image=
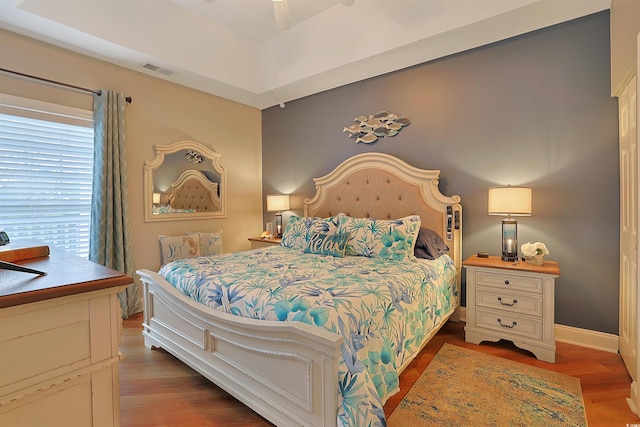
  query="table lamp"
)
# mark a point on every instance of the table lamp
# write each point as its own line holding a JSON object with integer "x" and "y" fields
{"x": 278, "y": 203}
{"x": 510, "y": 202}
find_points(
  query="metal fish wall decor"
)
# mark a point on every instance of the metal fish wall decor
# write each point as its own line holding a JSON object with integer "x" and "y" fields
{"x": 193, "y": 156}
{"x": 368, "y": 129}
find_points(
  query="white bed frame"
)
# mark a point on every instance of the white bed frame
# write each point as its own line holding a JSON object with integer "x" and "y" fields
{"x": 288, "y": 371}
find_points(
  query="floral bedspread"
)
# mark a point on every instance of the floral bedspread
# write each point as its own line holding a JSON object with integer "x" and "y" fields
{"x": 384, "y": 309}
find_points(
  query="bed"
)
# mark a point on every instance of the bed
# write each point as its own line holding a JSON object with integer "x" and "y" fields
{"x": 191, "y": 192}
{"x": 329, "y": 367}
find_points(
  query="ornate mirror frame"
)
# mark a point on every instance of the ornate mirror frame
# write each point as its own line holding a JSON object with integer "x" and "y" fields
{"x": 149, "y": 184}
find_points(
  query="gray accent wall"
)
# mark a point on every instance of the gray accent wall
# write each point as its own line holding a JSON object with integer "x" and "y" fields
{"x": 533, "y": 110}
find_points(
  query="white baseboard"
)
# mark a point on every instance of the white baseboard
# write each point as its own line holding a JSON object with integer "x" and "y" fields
{"x": 576, "y": 336}
{"x": 586, "y": 338}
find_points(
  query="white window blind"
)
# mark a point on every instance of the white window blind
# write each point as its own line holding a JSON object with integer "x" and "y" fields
{"x": 46, "y": 161}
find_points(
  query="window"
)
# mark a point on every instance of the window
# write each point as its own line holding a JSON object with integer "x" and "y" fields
{"x": 46, "y": 172}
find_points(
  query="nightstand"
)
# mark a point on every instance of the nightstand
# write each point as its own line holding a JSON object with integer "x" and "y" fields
{"x": 259, "y": 242}
{"x": 512, "y": 301}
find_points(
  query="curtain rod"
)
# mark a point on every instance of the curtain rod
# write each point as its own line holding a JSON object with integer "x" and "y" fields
{"x": 83, "y": 89}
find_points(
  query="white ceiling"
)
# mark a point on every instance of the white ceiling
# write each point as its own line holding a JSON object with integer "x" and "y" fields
{"x": 237, "y": 49}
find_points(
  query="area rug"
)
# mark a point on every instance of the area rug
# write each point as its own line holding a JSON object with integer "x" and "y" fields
{"x": 466, "y": 387}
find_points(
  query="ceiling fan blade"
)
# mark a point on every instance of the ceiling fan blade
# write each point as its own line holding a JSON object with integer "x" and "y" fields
{"x": 281, "y": 12}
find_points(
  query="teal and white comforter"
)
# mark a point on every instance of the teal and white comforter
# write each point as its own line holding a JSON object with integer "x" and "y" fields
{"x": 384, "y": 309}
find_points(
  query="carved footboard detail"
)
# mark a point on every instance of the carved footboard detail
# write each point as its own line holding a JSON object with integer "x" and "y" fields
{"x": 285, "y": 371}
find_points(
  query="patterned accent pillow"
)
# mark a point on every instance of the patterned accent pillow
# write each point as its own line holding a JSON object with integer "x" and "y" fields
{"x": 173, "y": 248}
{"x": 327, "y": 244}
{"x": 376, "y": 238}
{"x": 299, "y": 229}
{"x": 210, "y": 243}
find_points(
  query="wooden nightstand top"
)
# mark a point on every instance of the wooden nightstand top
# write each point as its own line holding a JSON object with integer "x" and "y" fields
{"x": 549, "y": 267}
{"x": 272, "y": 240}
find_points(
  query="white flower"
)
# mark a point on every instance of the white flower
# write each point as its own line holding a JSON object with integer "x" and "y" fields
{"x": 532, "y": 249}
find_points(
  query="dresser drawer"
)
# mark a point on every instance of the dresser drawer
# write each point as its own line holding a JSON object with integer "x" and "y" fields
{"x": 509, "y": 324}
{"x": 509, "y": 301}
{"x": 510, "y": 281}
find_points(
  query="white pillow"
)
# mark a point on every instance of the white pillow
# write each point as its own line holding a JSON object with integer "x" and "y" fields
{"x": 210, "y": 243}
{"x": 174, "y": 248}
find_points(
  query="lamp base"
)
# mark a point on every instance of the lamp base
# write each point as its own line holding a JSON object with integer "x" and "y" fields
{"x": 278, "y": 225}
{"x": 509, "y": 239}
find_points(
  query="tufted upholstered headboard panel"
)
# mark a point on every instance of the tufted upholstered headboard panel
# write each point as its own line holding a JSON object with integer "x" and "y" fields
{"x": 381, "y": 186}
{"x": 193, "y": 190}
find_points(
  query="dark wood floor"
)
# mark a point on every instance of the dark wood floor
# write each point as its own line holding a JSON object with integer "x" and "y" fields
{"x": 158, "y": 390}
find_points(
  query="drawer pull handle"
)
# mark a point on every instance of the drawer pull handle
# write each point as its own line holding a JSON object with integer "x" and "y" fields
{"x": 506, "y": 282}
{"x": 515, "y": 301}
{"x": 507, "y": 326}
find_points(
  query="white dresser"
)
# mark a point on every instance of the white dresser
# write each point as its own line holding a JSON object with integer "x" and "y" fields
{"x": 512, "y": 301}
{"x": 59, "y": 338}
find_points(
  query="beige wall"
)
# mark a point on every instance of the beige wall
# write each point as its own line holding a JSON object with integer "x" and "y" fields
{"x": 161, "y": 113}
{"x": 625, "y": 26}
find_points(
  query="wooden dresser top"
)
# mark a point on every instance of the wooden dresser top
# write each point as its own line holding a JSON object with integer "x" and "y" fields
{"x": 66, "y": 275}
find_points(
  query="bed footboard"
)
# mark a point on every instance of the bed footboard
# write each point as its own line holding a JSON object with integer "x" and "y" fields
{"x": 285, "y": 371}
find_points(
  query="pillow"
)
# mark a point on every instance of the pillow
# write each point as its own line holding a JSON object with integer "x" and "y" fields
{"x": 429, "y": 244}
{"x": 174, "y": 248}
{"x": 210, "y": 243}
{"x": 299, "y": 229}
{"x": 377, "y": 238}
{"x": 327, "y": 244}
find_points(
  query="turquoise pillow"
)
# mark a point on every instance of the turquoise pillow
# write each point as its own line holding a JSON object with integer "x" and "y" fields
{"x": 299, "y": 228}
{"x": 327, "y": 244}
{"x": 376, "y": 238}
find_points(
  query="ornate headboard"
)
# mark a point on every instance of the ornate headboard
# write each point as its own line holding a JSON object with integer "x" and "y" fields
{"x": 193, "y": 190}
{"x": 381, "y": 186}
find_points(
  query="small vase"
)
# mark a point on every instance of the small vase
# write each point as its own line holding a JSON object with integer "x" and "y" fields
{"x": 535, "y": 259}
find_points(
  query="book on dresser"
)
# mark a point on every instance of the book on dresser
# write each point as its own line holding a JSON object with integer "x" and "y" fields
{"x": 23, "y": 249}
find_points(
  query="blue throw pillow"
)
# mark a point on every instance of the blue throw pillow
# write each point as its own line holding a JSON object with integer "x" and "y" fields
{"x": 327, "y": 244}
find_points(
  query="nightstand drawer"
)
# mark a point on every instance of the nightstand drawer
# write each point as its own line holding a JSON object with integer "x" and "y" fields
{"x": 259, "y": 242}
{"x": 509, "y": 281}
{"x": 508, "y": 323}
{"x": 263, "y": 244}
{"x": 513, "y": 302}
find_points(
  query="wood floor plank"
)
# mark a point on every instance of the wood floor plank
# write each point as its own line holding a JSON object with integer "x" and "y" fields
{"x": 157, "y": 390}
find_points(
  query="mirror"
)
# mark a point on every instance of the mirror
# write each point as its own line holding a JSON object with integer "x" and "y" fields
{"x": 184, "y": 181}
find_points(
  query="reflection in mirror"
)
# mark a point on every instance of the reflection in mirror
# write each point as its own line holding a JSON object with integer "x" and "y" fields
{"x": 184, "y": 181}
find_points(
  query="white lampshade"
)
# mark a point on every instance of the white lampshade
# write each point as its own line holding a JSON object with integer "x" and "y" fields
{"x": 510, "y": 201}
{"x": 277, "y": 202}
